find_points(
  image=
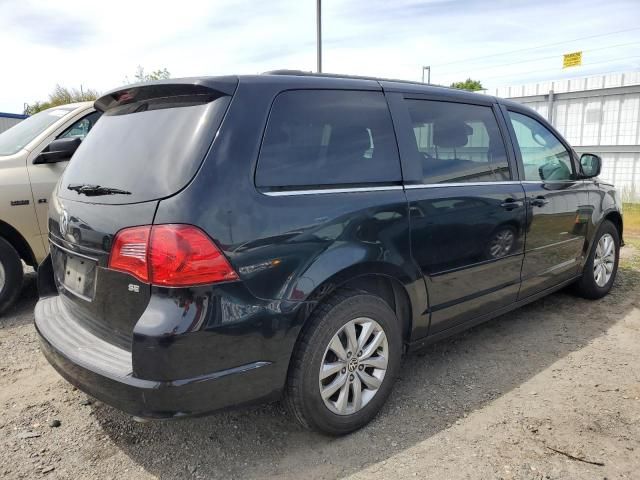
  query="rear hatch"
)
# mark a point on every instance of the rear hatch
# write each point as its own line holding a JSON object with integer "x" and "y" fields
{"x": 149, "y": 144}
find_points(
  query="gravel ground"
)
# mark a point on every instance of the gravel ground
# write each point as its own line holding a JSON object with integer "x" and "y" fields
{"x": 551, "y": 391}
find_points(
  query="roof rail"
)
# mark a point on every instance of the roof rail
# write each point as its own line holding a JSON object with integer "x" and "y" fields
{"x": 302, "y": 73}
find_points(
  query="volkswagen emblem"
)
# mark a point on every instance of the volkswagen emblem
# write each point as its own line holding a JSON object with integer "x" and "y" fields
{"x": 64, "y": 222}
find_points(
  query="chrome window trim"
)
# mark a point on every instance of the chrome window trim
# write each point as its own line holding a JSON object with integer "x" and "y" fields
{"x": 459, "y": 184}
{"x": 324, "y": 191}
{"x": 550, "y": 181}
{"x": 288, "y": 193}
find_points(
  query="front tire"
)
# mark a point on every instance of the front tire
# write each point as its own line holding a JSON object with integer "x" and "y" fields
{"x": 11, "y": 274}
{"x": 602, "y": 264}
{"x": 345, "y": 363}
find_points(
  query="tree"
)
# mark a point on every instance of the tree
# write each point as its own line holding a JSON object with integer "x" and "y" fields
{"x": 61, "y": 96}
{"x": 468, "y": 84}
{"x": 140, "y": 75}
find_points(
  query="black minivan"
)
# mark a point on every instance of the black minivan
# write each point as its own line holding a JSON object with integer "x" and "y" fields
{"x": 225, "y": 240}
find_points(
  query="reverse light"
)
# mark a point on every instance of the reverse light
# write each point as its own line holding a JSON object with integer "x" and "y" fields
{"x": 172, "y": 255}
{"x": 129, "y": 252}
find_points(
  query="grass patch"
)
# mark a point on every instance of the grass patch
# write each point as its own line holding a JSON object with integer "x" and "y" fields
{"x": 633, "y": 260}
{"x": 631, "y": 218}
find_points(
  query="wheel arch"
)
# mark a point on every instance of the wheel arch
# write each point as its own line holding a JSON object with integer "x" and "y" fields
{"x": 383, "y": 281}
{"x": 614, "y": 217}
{"x": 17, "y": 241}
{"x": 611, "y": 215}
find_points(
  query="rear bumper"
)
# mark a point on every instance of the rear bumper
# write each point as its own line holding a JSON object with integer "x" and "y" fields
{"x": 105, "y": 372}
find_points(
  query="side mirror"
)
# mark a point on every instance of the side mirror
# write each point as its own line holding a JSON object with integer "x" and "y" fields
{"x": 58, "y": 151}
{"x": 542, "y": 172}
{"x": 590, "y": 165}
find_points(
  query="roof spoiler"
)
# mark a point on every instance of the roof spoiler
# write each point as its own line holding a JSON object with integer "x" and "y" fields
{"x": 212, "y": 86}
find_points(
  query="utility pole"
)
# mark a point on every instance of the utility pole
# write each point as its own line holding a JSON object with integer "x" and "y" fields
{"x": 428, "y": 69}
{"x": 319, "y": 33}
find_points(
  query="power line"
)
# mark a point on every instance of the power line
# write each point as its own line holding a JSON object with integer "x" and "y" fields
{"x": 555, "y": 69}
{"x": 537, "y": 59}
{"x": 538, "y": 47}
{"x": 495, "y": 88}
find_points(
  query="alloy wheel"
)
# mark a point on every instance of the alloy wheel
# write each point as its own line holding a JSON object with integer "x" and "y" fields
{"x": 353, "y": 366}
{"x": 604, "y": 260}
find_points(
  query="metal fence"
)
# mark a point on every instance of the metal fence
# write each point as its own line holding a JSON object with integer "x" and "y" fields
{"x": 598, "y": 114}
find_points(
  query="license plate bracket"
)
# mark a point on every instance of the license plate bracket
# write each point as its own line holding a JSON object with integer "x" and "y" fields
{"x": 76, "y": 274}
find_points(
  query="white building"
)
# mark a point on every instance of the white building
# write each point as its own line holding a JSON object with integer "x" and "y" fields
{"x": 598, "y": 114}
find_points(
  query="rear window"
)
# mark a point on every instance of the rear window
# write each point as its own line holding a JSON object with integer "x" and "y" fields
{"x": 150, "y": 149}
{"x": 328, "y": 137}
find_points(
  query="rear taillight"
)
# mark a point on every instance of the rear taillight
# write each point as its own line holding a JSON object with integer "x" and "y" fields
{"x": 130, "y": 250}
{"x": 183, "y": 255}
{"x": 170, "y": 255}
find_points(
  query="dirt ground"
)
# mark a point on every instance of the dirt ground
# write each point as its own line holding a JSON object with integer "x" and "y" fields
{"x": 551, "y": 391}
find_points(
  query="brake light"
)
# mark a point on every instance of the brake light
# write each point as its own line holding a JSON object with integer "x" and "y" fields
{"x": 183, "y": 255}
{"x": 170, "y": 255}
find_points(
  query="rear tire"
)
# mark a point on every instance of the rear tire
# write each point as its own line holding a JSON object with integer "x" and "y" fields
{"x": 370, "y": 334}
{"x": 11, "y": 274}
{"x": 602, "y": 263}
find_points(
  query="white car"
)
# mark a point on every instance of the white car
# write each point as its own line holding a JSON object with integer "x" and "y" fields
{"x": 33, "y": 154}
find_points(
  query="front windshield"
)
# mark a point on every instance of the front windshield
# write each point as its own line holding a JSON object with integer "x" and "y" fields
{"x": 18, "y": 136}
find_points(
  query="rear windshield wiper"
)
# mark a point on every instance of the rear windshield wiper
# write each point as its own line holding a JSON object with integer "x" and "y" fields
{"x": 96, "y": 190}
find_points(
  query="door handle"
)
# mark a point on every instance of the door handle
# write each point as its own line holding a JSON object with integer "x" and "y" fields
{"x": 511, "y": 204}
{"x": 539, "y": 201}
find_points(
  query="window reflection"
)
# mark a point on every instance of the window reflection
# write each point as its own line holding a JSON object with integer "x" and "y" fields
{"x": 458, "y": 142}
{"x": 543, "y": 156}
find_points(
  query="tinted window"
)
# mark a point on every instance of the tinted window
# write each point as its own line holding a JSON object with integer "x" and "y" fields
{"x": 81, "y": 128}
{"x": 149, "y": 151}
{"x": 328, "y": 138}
{"x": 458, "y": 142}
{"x": 543, "y": 156}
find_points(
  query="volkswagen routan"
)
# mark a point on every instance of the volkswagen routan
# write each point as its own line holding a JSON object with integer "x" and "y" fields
{"x": 222, "y": 241}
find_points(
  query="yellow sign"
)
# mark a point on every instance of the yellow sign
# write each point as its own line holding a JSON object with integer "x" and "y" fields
{"x": 572, "y": 60}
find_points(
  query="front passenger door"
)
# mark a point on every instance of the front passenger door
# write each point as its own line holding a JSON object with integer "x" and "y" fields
{"x": 467, "y": 212}
{"x": 557, "y": 205}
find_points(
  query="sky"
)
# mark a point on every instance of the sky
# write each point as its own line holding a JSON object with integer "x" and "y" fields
{"x": 98, "y": 44}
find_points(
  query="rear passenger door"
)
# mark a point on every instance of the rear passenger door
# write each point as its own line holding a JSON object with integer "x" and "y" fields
{"x": 558, "y": 204}
{"x": 467, "y": 212}
{"x": 331, "y": 196}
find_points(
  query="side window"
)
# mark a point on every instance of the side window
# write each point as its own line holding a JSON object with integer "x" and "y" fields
{"x": 81, "y": 128}
{"x": 543, "y": 156}
{"x": 328, "y": 137}
{"x": 458, "y": 142}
